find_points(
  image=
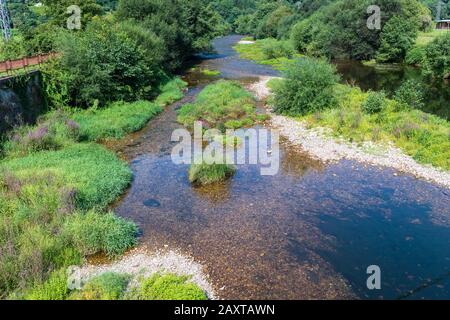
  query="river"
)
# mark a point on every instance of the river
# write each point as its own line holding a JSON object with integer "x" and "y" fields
{"x": 309, "y": 232}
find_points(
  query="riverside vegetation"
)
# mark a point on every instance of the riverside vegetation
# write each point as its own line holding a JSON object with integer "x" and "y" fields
{"x": 56, "y": 181}
{"x": 112, "y": 76}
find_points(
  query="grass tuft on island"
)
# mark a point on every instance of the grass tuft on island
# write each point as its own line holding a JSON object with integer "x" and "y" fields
{"x": 221, "y": 105}
{"x": 207, "y": 172}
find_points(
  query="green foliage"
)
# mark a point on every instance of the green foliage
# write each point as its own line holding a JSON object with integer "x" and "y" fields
{"x": 95, "y": 173}
{"x": 206, "y": 173}
{"x": 273, "y": 49}
{"x": 375, "y": 102}
{"x": 422, "y": 136}
{"x": 94, "y": 232}
{"x": 218, "y": 103}
{"x": 437, "y": 57}
{"x": 339, "y": 30}
{"x": 307, "y": 88}
{"x": 55, "y": 288}
{"x": 211, "y": 73}
{"x": 103, "y": 64}
{"x": 410, "y": 94}
{"x": 56, "y": 11}
{"x": 415, "y": 56}
{"x": 107, "y": 286}
{"x": 53, "y": 132}
{"x": 169, "y": 287}
{"x": 183, "y": 26}
{"x": 397, "y": 39}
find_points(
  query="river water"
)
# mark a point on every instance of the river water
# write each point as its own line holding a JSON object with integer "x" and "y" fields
{"x": 309, "y": 232}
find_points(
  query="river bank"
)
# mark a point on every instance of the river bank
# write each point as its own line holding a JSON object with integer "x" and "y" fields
{"x": 320, "y": 144}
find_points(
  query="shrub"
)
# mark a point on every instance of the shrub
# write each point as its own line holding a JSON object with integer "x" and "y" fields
{"x": 55, "y": 288}
{"x": 410, "y": 94}
{"x": 107, "y": 286}
{"x": 206, "y": 173}
{"x": 415, "y": 56}
{"x": 94, "y": 232}
{"x": 169, "y": 287}
{"x": 273, "y": 49}
{"x": 375, "y": 102}
{"x": 308, "y": 87}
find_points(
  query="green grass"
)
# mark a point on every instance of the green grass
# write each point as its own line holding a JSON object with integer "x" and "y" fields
{"x": 221, "y": 104}
{"x": 107, "y": 286}
{"x": 425, "y": 38}
{"x": 211, "y": 73}
{"x": 423, "y": 136}
{"x": 256, "y": 53}
{"x": 121, "y": 118}
{"x": 169, "y": 287}
{"x": 96, "y": 173}
{"x": 55, "y": 288}
{"x": 204, "y": 173}
{"x": 115, "y": 121}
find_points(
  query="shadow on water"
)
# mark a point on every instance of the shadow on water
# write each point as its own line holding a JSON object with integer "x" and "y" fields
{"x": 309, "y": 232}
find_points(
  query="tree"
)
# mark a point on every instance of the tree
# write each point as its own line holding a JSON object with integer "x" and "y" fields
{"x": 397, "y": 38}
{"x": 103, "y": 64}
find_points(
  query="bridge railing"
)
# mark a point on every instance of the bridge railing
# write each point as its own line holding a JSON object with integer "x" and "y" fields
{"x": 12, "y": 65}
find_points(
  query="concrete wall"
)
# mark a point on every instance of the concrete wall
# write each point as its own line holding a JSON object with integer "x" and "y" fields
{"x": 22, "y": 100}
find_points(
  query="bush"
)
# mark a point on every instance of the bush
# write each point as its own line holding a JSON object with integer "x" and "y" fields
{"x": 437, "y": 57}
{"x": 410, "y": 94}
{"x": 107, "y": 286}
{"x": 104, "y": 64}
{"x": 274, "y": 49}
{"x": 375, "y": 102}
{"x": 308, "y": 87}
{"x": 169, "y": 287}
{"x": 55, "y": 288}
{"x": 204, "y": 173}
{"x": 217, "y": 104}
{"x": 93, "y": 232}
{"x": 415, "y": 56}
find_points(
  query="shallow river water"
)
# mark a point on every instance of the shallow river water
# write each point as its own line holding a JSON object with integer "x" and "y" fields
{"x": 308, "y": 232}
